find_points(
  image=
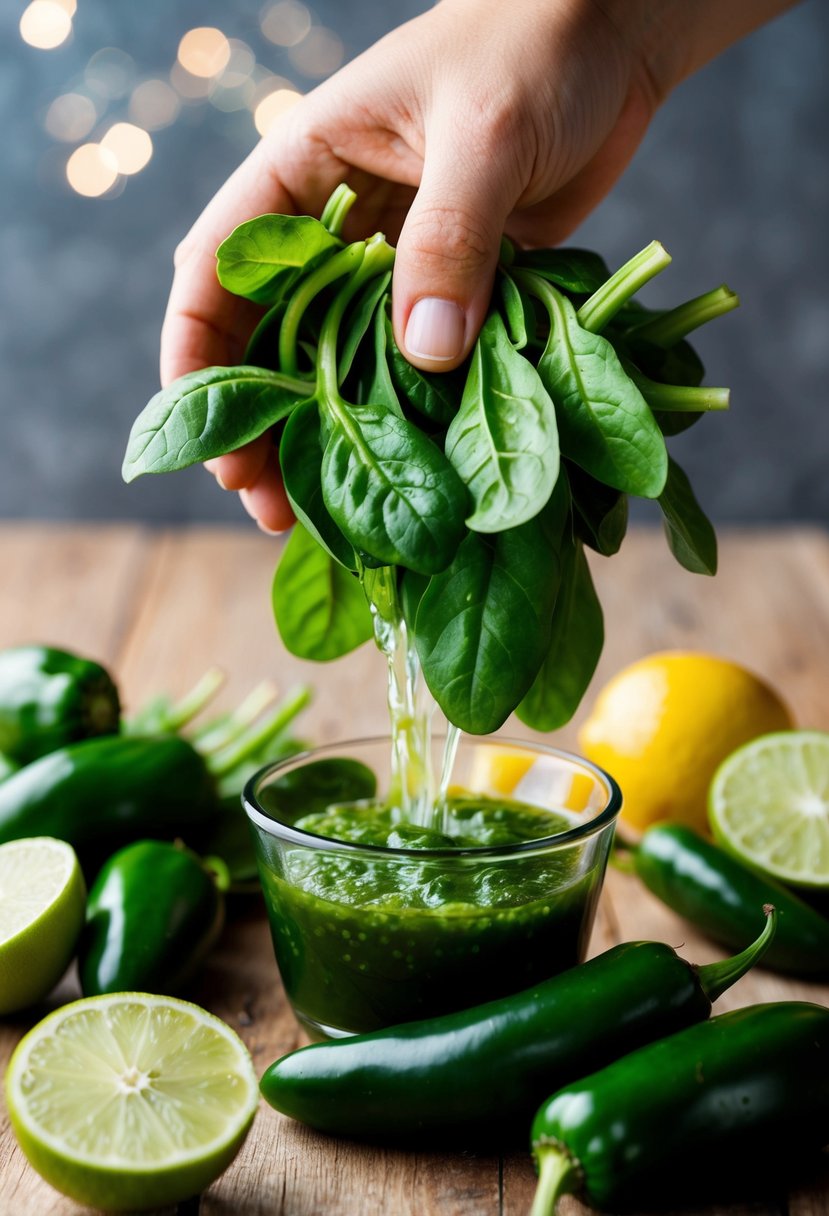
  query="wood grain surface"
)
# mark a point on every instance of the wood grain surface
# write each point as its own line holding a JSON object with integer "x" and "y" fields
{"x": 160, "y": 607}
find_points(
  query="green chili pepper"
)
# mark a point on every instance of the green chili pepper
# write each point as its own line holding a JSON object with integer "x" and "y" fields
{"x": 7, "y": 767}
{"x": 720, "y": 896}
{"x": 714, "y": 1110}
{"x": 153, "y": 913}
{"x": 104, "y": 793}
{"x": 49, "y": 698}
{"x": 476, "y": 1074}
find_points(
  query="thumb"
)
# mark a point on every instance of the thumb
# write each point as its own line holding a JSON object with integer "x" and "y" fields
{"x": 448, "y": 251}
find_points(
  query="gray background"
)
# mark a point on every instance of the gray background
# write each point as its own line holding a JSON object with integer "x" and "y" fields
{"x": 733, "y": 177}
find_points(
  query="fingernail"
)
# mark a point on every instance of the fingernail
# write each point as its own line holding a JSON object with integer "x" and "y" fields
{"x": 435, "y": 330}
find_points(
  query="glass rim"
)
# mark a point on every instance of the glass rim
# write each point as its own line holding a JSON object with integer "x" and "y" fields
{"x": 286, "y": 832}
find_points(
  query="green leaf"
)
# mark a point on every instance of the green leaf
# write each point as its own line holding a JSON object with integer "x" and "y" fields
{"x": 515, "y": 317}
{"x": 483, "y": 625}
{"x": 604, "y": 422}
{"x": 380, "y": 386}
{"x": 578, "y": 271}
{"x": 390, "y": 489}
{"x": 300, "y": 457}
{"x": 262, "y": 349}
{"x": 360, "y": 319}
{"x": 503, "y": 442}
{"x": 433, "y": 396}
{"x": 263, "y": 258}
{"x": 320, "y": 609}
{"x": 576, "y": 640}
{"x": 206, "y": 414}
{"x": 600, "y": 514}
{"x": 690, "y": 534}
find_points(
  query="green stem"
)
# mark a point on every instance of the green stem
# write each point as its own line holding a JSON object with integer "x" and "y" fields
{"x": 604, "y": 303}
{"x": 341, "y": 263}
{"x": 557, "y": 1175}
{"x": 219, "y": 734}
{"x": 337, "y": 208}
{"x": 716, "y": 978}
{"x": 679, "y": 398}
{"x": 672, "y": 326}
{"x": 183, "y": 711}
{"x": 224, "y": 762}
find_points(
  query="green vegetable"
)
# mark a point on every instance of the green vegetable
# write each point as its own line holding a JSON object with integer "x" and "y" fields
{"x": 721, "y": 1110}
{"x": 476, "y": 1075}
{"x": 153, "y": 913}
{"x": 434, "y": 477}
{"x": 718, "y": 894}
{"x": 103, "y": 793}
{"x": 51, "y": 697}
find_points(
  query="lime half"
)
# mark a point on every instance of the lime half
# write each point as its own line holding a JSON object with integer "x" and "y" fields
{"x": 42, "y": 902}
{"x": 130, "y": 1101}
{"x": 769, "y": 805}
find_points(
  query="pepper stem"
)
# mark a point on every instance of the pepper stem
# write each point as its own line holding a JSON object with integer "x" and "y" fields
{"x": 557, "y": 1176}
{"x": 716, "y": 978}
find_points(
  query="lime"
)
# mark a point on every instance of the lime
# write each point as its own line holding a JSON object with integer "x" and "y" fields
{"x": 42, "y": 902}
{"x": 769, "y": 806}
{"x": 130, "y": 1101}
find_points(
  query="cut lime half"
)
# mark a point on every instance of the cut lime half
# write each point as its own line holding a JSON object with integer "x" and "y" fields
{"x": 769, "y": 805}
{"x": 129, "y": 1101}
{"x": 42, "y": 902}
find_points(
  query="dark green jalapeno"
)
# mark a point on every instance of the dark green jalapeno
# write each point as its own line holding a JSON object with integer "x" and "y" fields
{"x": 153, "y": 913}
{"x": 719, "y": 895}
{"x": 104, "y": 793}
{"x": 477, "y": 1075}
{"x": 51, "y": 697}
{"x": 716, "y": 1111}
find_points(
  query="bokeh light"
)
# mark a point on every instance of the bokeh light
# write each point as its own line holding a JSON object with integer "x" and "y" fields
{"x": 92, "y": 170}
{"x": 318, "y": 55}
{"x": 70, "y": 117}
{"x": 189, "y": 87}
{"x": 130, "y": 145}
{"x": 204, "y": 51}
{"x": 154, "y": 104}
{"x": 110, "y": 73}
{"x": 69, "y": 6}
{"x": 234, "y": 88}
{"x": 285, "y": 23}
{"x": 45, "y": 24}
{"x": 272, "y": 105}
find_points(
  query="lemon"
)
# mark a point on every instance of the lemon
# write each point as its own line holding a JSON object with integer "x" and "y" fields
{"x": 663, "y": 725}
{"x": 769, "y": 805}
{"x": 42, "y": 903}
{"x": 131, "y": 1101}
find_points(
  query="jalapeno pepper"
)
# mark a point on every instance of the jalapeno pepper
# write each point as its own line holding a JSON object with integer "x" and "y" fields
{"x": 707, "y": 1113}
{"x": 51, "y": 697}
{"x": 719, "y": 895}
{"x": 477, "y": 1075}
{"x": 153, "y": 913}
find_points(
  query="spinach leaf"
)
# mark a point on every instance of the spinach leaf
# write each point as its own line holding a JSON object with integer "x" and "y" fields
{"x": 390, "y": 489}
{"x": 503, "y": 441}
{"x": 319, "y": 607}
{"x": 207, "y": 413}
{"x": 576, "y": 640}
{"x": 483, "y": 625}
{"x": 691, "y": 537}
{"x": 263, "y": 258}
{"x": 381, "y": 388}
{"x": 604, "y": 422}
{"x": 514, "y": 315}
{"x": 600, "y": 514}
{"x": 262, "y": 349}
{"x": 300, "y": 457}
{"x": 434, "y": 396}
{"x": 360, "y": 320}
{"x": 577, "y": 271}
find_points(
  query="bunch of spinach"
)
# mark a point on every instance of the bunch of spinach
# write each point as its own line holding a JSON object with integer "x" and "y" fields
{"x": 477, "y": 490}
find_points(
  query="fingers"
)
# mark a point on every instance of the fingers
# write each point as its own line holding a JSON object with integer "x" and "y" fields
{"x": 266, "y": 501}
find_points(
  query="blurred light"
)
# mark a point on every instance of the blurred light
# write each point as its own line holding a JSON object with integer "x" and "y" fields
{"x": 130, "y": 145}
{"x": 154, "y": 104}
{"x": 110, "y": 73}
{"x": 91, "y": 170}
{"x": 240, "y": 64}
{"x": 70, "y": 117}
{"x": 204, "y": 51}
{"x": 285, "y": 23}
{"x": 320, "y": 54}
{"x": 69, "y": 6}
{"x": 190, "y": 88}
{"x": 228, "y": 100}
{"x": 45, "y": 24}
{"x": 272, "y": 106}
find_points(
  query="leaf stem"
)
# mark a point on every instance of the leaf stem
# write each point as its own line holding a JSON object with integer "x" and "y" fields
{"x": 377, "y": 256}
{"x": 679, "y": 398}
{"x": 667, "y": 329}
{"x": 227, "y": 729}
{"x": 224, "y": 762}
{"x": 193, "y": 702}
{"x": 337, "y": 208}
{"x": 334, "y": 268}
{"x": 604, "y": 303}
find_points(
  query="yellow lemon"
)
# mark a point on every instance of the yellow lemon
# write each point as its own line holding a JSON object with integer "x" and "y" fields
{"x": 663, "y": 725}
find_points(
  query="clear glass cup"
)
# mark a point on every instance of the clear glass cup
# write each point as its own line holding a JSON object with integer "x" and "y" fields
{"x": 367, "y": 936}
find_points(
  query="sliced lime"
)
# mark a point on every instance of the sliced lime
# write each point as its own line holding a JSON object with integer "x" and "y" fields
{"x": 42, "y": 901}
{"x": 131, "y": 1101}
{"x": 769, "y": 805}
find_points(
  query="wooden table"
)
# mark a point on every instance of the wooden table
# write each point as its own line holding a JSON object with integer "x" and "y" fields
{"x": 160, "y": 607}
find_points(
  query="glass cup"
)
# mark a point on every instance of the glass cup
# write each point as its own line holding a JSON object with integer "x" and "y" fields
{"x": 367, "y": 936}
